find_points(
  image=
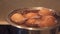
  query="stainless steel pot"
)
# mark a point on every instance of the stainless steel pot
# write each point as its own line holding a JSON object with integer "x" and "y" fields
{"x": 46, "y": 30}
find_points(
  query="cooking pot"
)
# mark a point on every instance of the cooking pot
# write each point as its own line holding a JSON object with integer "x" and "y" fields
{"x": 32, "y": 30}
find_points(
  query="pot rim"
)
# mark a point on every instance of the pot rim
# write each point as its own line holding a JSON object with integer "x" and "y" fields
{"x": 28, "y": 28}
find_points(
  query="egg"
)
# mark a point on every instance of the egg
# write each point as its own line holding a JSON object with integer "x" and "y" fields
{"x": 45, "y": 12}
{"x": 31, "y": 15}
{"x": 17, "y": 18}
{"x": 47, "y": 21}
{"x": 31, "y": 22}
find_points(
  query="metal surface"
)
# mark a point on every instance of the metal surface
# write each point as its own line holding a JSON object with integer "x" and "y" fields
{"x": 45, "y": 31}
{"x": 7, "y": 5}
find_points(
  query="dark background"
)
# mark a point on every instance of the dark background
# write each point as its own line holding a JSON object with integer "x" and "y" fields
{"x": 8, "y": 29}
